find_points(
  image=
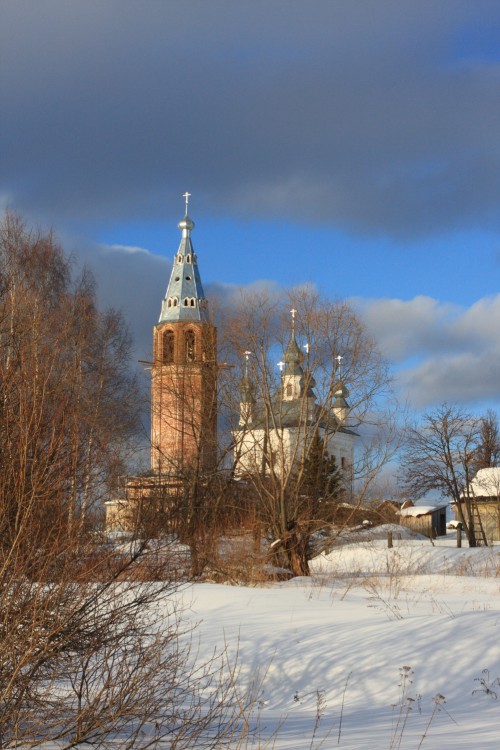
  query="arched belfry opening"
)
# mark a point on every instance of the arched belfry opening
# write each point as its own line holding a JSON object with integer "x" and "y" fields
{"x": 168, "y": 345}
{"x": 190, "y": 345}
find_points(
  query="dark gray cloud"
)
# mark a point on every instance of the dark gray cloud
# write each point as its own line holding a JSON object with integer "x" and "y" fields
{"x": 129, "y": 279}
{"x": 375, "y": 116}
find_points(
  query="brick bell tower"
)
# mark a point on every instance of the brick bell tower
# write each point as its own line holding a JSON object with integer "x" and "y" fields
{"x": 184, "y": 370}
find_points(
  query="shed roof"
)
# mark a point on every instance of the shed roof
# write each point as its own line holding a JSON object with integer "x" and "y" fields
{"x": 486, "y": 483}
{"x": 420, "y": 510}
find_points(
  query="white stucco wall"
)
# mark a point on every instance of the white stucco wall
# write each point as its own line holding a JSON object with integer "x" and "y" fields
{"x": 287, "y": 445}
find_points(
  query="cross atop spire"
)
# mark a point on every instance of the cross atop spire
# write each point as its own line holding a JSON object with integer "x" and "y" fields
{"x": 293, "y": 313}
{"x": 339, "y": 359}
{"x": 186, "y": 196}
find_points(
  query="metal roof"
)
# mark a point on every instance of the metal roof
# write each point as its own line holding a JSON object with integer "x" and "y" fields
{"x": 184, "y": 298}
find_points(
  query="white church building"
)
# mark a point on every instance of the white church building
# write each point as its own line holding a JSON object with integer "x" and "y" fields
{"x": 274, "y": 435}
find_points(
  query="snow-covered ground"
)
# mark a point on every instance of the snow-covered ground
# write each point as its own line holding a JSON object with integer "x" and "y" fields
{"x": 373, "y": 632}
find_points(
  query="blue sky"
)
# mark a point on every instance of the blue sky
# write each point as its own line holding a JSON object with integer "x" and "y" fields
{"x": 354, "y": 145}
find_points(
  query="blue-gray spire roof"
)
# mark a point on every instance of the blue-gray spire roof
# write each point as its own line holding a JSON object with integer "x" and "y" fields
{"x": 184, "y": 298}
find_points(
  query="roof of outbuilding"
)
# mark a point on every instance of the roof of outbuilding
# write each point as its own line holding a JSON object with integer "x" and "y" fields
{"x": 486, "y": 483}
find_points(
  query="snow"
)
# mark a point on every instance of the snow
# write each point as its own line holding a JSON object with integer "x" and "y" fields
{"x": 486, "y": 483}
{"x": 344, "y": 642}
{"x": 418, "y": 510}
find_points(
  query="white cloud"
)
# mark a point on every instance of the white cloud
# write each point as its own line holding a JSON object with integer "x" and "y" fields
{"x": 405, "y": 328}
{"x": 482, "y": 320}
{"x": 466, "y": 378}
{"x": 128, "y": 249}
{"x": 442, "y": 352}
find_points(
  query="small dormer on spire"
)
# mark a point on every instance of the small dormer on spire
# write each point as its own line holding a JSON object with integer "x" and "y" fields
{"x": 184, "y": 298}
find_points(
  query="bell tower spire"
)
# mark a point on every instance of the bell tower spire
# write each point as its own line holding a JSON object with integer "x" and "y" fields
{"x": 184, "y": 372}
{"x": 184, "y": 298}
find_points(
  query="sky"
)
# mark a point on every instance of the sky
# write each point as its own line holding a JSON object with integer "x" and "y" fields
{"x": 350, "y": 144}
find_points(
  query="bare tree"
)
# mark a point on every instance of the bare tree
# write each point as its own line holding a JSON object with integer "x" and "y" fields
{"x": 284, "y": 418}
{"x": 438, "y": 455}
{"x": 90, "y": 648}
{"x": 69, "y": 416}
{"x": 487, "y": 454}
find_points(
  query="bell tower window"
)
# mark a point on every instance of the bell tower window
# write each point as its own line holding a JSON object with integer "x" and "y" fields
{"x": 189, "y": 345}
{"x": 168, "y": 346}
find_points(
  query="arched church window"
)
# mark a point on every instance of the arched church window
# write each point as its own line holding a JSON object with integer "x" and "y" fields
{"x": 289, "y": 389}
{"x": 168, "y": 346}
{"x": 189, "y": 345}
{"x": 175, "y": 301}
{"x": 188, "y": 259}
{"x": 193, "y": 302}
{"x": 169, "y": 302}
{"x": 186, "y": 302}
{"x": 179, "y": 258}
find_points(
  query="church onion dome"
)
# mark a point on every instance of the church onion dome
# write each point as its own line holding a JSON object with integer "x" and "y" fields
{"x": 184, "y": 299}
{"x": 186, "y": 224}
{"x": 340, "y": 390}
{"x": 341, "y": 407}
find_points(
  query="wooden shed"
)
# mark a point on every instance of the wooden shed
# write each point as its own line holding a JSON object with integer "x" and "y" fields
{"x": 485, "y": 491}
{"x": 429, "y": 520}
